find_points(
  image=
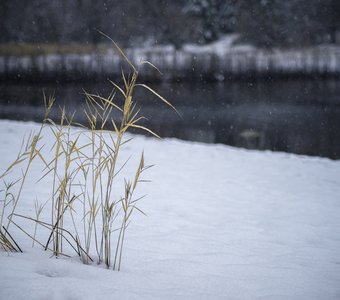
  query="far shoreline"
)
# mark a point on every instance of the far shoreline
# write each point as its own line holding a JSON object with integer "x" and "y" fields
{"x": 219, "y": 61}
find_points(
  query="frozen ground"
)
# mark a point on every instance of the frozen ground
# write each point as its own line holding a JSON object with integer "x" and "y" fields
{"x": 223, "y": 223}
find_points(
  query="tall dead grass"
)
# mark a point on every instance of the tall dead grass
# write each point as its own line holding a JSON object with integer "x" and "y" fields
{"x": 83, "y": 167}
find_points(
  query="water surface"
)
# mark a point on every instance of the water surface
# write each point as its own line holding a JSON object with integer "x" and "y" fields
{"x": 299, "y": 116}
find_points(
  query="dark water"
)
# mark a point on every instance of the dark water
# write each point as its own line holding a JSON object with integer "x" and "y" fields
{"x": 296, "y": 116}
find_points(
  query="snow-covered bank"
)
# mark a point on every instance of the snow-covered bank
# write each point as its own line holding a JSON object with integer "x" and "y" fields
{"x": 223, "y": 223}
{"x": 216, "y": 61}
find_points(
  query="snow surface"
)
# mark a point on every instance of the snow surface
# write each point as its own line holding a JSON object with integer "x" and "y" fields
{"x": 220, "y": 47}
{"x": 223, "y": 223}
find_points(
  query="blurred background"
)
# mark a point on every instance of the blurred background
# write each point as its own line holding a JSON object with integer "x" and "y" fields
{"x": 258, "y": 74}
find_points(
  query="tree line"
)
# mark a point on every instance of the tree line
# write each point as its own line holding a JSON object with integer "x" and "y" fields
{"x": 264, "y": 23}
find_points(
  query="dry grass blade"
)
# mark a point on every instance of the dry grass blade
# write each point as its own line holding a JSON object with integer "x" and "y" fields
{"x": 145, "y": 62}
{"x": 145, "y": 129}
{"x": 8, "y": 244}
{"x": 159, "y": 96}
{"x": 117, "y": 86}
{"x": 120, "y": 50}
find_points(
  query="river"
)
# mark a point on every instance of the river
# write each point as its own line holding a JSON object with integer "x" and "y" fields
{"x": 299, "y": 116}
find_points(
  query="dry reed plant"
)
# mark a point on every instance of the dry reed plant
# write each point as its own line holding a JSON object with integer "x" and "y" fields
{"x": 84, "y": 173}
{"x": 30, "y": 150}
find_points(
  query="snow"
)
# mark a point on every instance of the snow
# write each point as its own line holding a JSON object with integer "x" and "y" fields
{"x": 221, "y": 47}
{"x": 223, "y": 223}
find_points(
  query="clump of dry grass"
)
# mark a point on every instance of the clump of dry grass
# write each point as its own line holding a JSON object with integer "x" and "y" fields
{"x": 30, "y": 150}
{"x": 84, "y": 173}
